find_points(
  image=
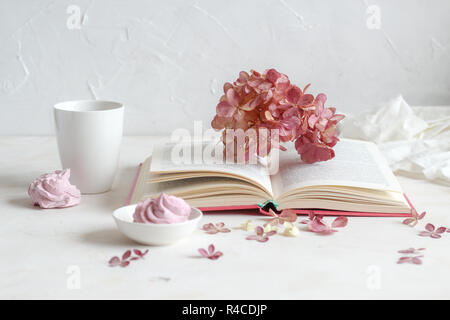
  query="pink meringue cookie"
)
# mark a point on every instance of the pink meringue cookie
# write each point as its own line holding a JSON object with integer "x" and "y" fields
{"x": 53, "y": 190}
{"x": 164, "y": 209}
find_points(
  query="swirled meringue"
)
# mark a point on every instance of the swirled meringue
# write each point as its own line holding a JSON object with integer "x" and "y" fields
{"x": 53, "y": 190}
{"x": 164, "y": 209}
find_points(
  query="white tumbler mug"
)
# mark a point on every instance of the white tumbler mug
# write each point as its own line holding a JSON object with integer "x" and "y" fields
{"x": 89, "y": 133}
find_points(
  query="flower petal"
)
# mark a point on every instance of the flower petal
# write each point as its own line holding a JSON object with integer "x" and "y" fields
{"x": 403, "y": 260}
{"x": 293, "y": 94}
{"x": 263, "y": 239}
{"x": 224, "y": 109}
{"x": 211, "y": 249}
{"x": 339, "y": 222}
{"x": 272, "y": 75}
{"x": 289, "y": 215}
{"x": 429, "y": 227}
{"x": 216, "y": 255}
{"x": 317, "y": 226}
{"x": 203, "y": 252}
{"x": 114, "y": 261}
{"x": 406, "y": 251}
{"x": 306, "y": 99}
{"x": 408, "y": 221}
{"x": 441, "y": 230}
{"x": 232, "y": 97}
{"x": 126, "y": 255}
{"x": 259, "y": 230}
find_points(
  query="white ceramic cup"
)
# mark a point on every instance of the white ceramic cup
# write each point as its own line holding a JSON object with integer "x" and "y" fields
{"x": 89, "y": 133}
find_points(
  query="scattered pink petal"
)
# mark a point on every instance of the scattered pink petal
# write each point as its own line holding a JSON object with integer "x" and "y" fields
{"x": 441, "y": 230}
{"x": 415, "y": 218}
{"x": 260, "y": 235}
{"x": 126, "y": 255}
{"x": 409, "y": 221}
{"x": 432, "y": 232}
{"x": 213, "y": 229}
{"x": 285, "y": 216}
{"x": 203, "y": 252}
{"x": 139, "y": 253}
{"x": 339, "y": 222}
{"x": 413, "y": 260}
{"x": 127, "y": 258}
{"x": 114, "y": 261}
{"x": 211, "y": 253}
{"x": 411, "y": 251}
{"x": 124, "y": 264}
{"x": 315, "y": 223}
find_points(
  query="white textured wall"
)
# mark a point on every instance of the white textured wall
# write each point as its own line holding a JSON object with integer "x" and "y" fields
{"x": 167, "y": 60}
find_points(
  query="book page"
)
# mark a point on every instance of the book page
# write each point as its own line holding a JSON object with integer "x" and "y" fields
{"x": 200, "y": 156}
{"x": 356, "y": 164}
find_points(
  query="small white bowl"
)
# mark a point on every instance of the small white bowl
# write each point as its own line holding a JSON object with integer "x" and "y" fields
{"x": 152, "y": 233}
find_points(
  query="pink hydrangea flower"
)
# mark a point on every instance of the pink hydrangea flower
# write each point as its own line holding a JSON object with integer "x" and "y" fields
{"x": 258, "y": 101}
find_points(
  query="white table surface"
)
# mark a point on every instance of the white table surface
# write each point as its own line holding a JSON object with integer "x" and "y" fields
{"x": 39, "y": 247}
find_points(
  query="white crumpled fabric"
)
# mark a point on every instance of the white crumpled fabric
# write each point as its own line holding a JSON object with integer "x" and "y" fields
{"x": 414, "y": 140}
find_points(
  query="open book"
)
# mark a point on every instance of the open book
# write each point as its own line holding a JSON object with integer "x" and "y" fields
{"x": 357, "y": 180}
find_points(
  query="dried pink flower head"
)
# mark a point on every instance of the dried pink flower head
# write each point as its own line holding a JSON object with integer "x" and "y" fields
{"x": 257, "y": 103}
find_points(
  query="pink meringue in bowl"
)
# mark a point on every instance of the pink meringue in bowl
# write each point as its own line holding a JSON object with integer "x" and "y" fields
{"x": 53, "y": 190}
{"x": 162, "y": 210}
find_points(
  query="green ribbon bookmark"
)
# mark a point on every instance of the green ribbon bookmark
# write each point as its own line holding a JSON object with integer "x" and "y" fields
{"x": 268, "y": 202}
